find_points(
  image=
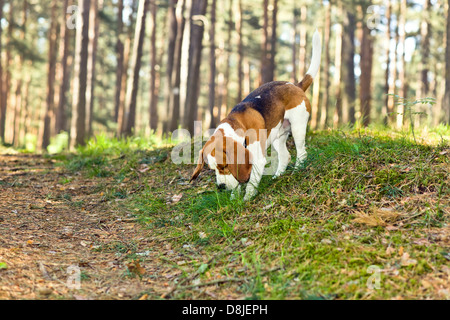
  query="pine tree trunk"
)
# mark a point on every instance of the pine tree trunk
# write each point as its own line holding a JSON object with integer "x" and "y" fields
{"x": 316, "y": 99}
{"x": 365, "y": 92}
{"x": 423, "y": 86}
{"x": 92, "y": 57}
{"x": 348, "y": 56}
{"x": 224, "y": 105}
{"x": 212, "y": 66}
{"x": 2, "y": 93}
{"x": 195, "y": 51}
{"x": 18, "y": 113}
{"x": 402, "y": 75}
{"x": 385, "y": 112}
{"x": 136, "y": 59}
{"x": 393, "y": 74}
{"x": 294, "y": 45}
{"x": 165, "y": 112}
{"x": 240, "y": 51}
{"x": 174, "y": 98}
{"x": 52, "y": 53}
{"x": 273, "y": 40}
{"x": 123, "y": 88}
{"x": 338, "y": 72}
{"x": 326, "y": 81}
{"x": 446, "y": 102}
{"x": 265, "y": 62}
{"x": 63, "y": 74}
{"x": 119, "y": 57}
{"x": 303, "y": 42}
{"x": 78, "y": 128}
{"x": 7, "y": 76}
{"x": 154, "y": 88}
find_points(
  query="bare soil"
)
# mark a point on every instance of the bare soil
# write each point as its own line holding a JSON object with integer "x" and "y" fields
{"x": 54, "y": 227}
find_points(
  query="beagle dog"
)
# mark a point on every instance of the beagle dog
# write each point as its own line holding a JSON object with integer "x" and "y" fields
{"x": 236, "y": 150}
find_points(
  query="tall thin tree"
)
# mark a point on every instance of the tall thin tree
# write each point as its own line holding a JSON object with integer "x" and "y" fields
{"x": 119, "y": 57}
{"x": 78, "y": 128}
{"x": 2, "y": 93}
{"x": 446, "y": 102}
{"x": 94, "y": 22}
{"x": 402, "y": 73}
{"x": 326, "y": 79}
{"x": 154, "y": 87}
{"x": 52, "y": 53}
{"x": 197, "y": 26}
{"x": 136, "y": 60}
{"x": 212, "y": 65}
{"x": 175, "y": 93}
{"x": 365, "y": 92}
{"x": 63, "y": 72}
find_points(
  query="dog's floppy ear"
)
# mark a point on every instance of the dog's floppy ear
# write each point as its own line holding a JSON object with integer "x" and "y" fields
{"x": 201, "y": 159}
{"x": 239, "y": 161}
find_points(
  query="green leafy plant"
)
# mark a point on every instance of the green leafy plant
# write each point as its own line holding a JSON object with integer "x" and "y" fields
{"x": 410, "y": 106}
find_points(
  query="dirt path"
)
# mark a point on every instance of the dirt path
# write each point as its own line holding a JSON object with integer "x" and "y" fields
{"x": 56, "y": 229}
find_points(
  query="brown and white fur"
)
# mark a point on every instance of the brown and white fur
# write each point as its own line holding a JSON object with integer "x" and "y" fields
{"x": 236, "y": 151}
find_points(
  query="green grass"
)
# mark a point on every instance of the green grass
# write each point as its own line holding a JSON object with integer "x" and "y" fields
{"x": 363, "y": 198}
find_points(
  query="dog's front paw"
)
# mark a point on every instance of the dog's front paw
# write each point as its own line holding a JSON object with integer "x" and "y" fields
{"x": 250, "y": 194}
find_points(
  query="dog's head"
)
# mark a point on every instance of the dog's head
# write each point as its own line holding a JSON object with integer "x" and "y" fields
{"x": 229, "y": 159}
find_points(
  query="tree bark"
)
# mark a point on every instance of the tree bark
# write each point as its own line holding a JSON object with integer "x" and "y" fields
{"x": 195, "y": 50}
{"x": 119, "y": 57}
{"x": 2, "y": 87}
{"x": 326, "y": 81}
{"x": 424, "y": 85}
{"x": 136, "y": 59}
{"x": 174, "y": 98}
{"x": 316, "y": 99}
{"x": 154, "y": 87}
{"x": 2, "y": 93}
{"x": 78, "y": 128}
{"x": 402, "y": 75}
{"x": 212, "y": 66}
{"x": 303, "y": 43}
{"x": 273, "y": 40}
{"x": 7, "y": 74}
{"x": 63, "y": 74}
{"x": 385, "y": 112}
{"x": 338, "y": 72}
{"x": 365, "y": 92}
{"x": 92, "y": 57}
{"x": 165, "y": 113}
{"x": 348, "y": 56}
{"x": 393, "y": 74}
{"x": 52, "y": 53}
{"x": 446, "y": 102}
{"x": 294, "y": 45}
{"x": 265, "y": 61}
{"x": 18, "y": 112}
{"x": 240, "y": 51}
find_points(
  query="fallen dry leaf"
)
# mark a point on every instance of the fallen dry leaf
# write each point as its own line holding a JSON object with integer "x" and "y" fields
{"x": 406, "y": 261}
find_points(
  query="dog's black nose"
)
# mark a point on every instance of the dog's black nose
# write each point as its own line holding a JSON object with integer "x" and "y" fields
{"x": 222, "y": 186}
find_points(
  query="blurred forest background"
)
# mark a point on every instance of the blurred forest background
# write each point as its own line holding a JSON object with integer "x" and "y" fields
{"x": 72, "y": 69}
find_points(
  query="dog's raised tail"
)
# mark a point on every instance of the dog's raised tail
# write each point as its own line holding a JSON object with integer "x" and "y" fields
{"x": 315, "y": 63}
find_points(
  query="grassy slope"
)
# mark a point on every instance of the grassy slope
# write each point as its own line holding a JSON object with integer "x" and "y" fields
{"x": 362, "y": 199}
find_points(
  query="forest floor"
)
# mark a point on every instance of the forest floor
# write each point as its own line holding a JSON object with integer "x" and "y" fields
{"x": 367, "y": 217}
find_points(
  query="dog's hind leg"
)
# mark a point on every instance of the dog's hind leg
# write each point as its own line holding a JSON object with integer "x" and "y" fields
{"x": 299, "y": 118}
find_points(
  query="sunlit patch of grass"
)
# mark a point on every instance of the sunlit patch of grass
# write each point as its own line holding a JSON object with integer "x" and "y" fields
{"x": 362, "y": 198}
